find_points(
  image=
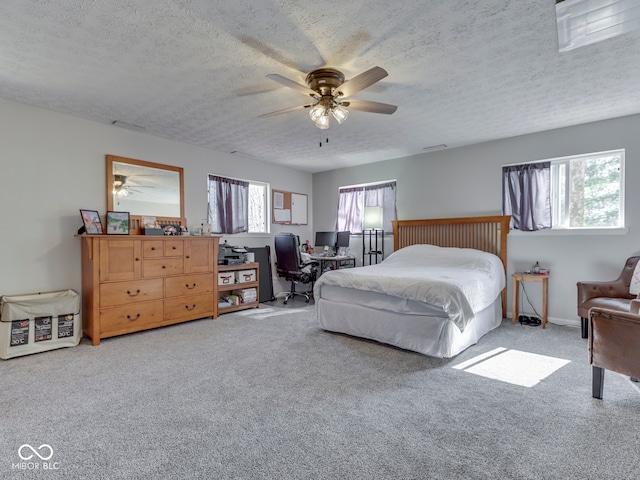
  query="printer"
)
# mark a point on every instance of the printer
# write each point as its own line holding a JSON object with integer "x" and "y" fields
{"x": 228, "y": 255}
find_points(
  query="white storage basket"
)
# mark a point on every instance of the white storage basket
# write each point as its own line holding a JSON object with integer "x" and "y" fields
{"x": 39, "y": 322}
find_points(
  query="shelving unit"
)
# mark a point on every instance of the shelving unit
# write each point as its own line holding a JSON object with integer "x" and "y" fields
{"x": 222, "y": 289}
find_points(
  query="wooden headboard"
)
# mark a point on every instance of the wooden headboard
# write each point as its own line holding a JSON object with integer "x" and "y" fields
{"x": 136, "y": 225}
{"x": 488, "y": 234}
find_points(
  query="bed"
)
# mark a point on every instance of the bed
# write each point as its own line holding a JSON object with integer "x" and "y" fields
{"x": 438, "y": 293}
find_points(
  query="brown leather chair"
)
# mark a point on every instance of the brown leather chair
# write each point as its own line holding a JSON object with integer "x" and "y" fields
{"x": 612, "y": 295}
{"x": 614, "y": 344}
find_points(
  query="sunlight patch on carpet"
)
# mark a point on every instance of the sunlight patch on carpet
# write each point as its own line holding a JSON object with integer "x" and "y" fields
{"x": 513, "y": 366}
{"x": 261, "y": 313}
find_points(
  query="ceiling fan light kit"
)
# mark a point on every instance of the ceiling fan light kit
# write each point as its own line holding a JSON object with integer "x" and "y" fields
{"x": 119, "y": 188}
{"x": 319, "y": 113}
{"x": 339, "y": 113}
{"x": 323, "y": 122}
{"x": 327, "y": 86}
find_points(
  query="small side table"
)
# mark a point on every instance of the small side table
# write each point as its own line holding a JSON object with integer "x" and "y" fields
{"x": 529, "y": 277}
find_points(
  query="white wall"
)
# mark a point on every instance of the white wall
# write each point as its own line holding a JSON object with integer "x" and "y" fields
{"x": 51, "y": 165}
{"x": 466, "y": 181}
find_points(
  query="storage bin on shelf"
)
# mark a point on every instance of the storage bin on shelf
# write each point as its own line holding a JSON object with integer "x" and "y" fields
{"x": 226, "y": 278}
{"x": 243, "y": 276}
{"x": 39, "y": 322}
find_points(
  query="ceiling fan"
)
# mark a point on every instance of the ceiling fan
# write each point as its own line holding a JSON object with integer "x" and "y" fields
{"x": 122, "y": 189}
{"x": 328, "y": 88}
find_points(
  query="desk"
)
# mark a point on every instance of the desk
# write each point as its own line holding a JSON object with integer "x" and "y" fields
{"x": 529, "y": 277}
{"x": 334, "y": 263}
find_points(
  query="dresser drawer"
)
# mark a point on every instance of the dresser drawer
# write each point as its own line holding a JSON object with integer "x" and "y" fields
{"x": 153, "y": 248}
{"x": 173, "y": 248}
{"x": 197, "y": 306}
{"x": 162, "y": 267}
{"x": 121, "y": 293}
{"x": 131, "y": 318}
{"x": 188, "y": 285}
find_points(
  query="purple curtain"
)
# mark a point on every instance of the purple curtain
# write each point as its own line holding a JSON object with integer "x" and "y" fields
{"x": 228, "y": 205}
{"x": 526, "y": 195}
{"x": 352, "y": 200}
{"x": 350, "y": 210}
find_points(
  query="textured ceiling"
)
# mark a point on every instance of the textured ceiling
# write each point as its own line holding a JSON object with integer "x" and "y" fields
{"x": 461, "y": 72}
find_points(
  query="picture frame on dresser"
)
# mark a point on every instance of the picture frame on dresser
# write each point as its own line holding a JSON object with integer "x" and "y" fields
{"x": 92, "y": 225}
{"x": 117, "y": 223}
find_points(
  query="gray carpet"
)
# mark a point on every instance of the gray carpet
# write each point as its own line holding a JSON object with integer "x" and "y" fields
{"x": 278, "y": 398}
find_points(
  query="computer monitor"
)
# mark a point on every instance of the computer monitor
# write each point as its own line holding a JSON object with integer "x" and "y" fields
{"x": 342, "y": 239}
{"x": 325, "y": 239}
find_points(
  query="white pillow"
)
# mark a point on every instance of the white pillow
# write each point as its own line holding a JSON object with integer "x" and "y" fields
{"x": 634, "y": 286}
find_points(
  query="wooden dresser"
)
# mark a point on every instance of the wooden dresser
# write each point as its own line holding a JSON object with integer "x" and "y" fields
{"x": 132, "y": 282}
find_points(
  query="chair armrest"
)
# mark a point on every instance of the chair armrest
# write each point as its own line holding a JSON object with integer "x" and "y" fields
{"x": 614, "y": 289}
{"x": 614, "y": 340}
{"x": 311, "y": 262}
{"x": 608, "y": 315}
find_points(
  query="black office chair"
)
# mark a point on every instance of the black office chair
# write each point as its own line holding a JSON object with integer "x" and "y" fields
{"x": 290, "y": 265}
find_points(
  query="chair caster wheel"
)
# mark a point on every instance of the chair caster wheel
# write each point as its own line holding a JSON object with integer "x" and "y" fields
{"x": 307, "y": 300}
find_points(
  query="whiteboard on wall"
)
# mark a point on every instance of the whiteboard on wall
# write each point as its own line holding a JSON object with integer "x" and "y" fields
{"x": 298, "y": 209}
{"x": 289, "y": 208}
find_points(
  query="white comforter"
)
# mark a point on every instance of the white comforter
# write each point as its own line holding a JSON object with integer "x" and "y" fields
{"x": 459, "y": 280}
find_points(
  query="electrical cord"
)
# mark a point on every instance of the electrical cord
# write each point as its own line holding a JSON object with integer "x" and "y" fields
{"x": 529, "y": 301}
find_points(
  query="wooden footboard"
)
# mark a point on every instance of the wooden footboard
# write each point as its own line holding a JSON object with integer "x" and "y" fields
{"x": 488, "y": 234}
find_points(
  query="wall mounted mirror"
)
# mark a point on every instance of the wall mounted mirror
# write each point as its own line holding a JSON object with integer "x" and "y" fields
{"x": 144, "y": 188}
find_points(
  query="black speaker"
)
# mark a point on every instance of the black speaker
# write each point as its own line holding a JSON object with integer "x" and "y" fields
{"x": 265, "y": 280}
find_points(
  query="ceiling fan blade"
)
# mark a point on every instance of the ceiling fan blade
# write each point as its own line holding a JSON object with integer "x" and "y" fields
{"x": 285, "y": 110}
{"x": 291, "y": 84}
{"x": 361, "y": 81}
{"x": 367, "y": 106}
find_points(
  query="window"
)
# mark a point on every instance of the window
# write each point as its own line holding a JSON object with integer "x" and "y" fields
{"x": 586, "y": 191}
{"x": 581, "y": 191}
{"x": 258, "y": 207}
{"x": 237, "y": 206}
{"x": 353, "y": 199}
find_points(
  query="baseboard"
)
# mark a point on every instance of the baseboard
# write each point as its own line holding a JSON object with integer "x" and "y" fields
{"x": 560, "y": 321}
{"x": 564, "y": 322}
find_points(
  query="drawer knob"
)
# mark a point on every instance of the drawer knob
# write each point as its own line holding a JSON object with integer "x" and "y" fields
{"x": 133, "y": 294}
{"x": 164, "y": 266}
{"x": 137, "y": 259}
{"x": 153, "y": 248}
{"x": 190, "y": 308}
{"x": 188, "y": 256}
{"x": 174, "y": 247}
{"x": 190, "y": 287}
{"x": 133, "y": 318}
